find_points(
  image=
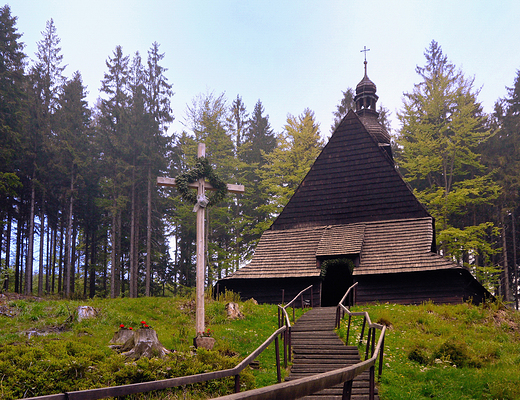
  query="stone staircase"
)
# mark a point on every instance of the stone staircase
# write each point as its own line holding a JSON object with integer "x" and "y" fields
{"x": 317, "y": 348}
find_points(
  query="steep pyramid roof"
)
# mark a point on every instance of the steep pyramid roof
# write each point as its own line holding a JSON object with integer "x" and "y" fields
{"x": 352, "y": 180}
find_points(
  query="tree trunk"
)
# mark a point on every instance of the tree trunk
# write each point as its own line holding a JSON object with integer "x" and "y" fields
{"x": 132, "y": 278}
{"x": 92, "y": 291}
{"x": 114, "y": 271}
{"x": 8, "y": 248}
{"x": 30, "y": 244}
{"x": 17, "y": 277}
{"x": 73, "y": 257}
{"x": 60, "y": 262}
{"x": 54, "y": 241}
{"x": 68, "y": 242}
{"x": 86, "y": 269}
{"x": 42, "y": 248}
{"x": 119, "y": 266}
{"x": 505, "y": 277}
{"x": 148, "y": 232}
{"x": 48, "y": 258}
{"x": 515, "y": 267}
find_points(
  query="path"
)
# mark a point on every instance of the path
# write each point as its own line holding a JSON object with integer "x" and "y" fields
{"x": 317, "y": 349}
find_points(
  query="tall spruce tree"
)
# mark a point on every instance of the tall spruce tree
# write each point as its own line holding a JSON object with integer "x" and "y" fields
{"x": 46, "y": 82}
{"x": 113, "y": 133}
{"x": 70, "y": 153}
{"x": 286, "y": 166}
{"x": 158, "y": 95}
{"x": 442, "y": 128}
{"x": 13, "y": 112}
{"x": 502, "y": 154}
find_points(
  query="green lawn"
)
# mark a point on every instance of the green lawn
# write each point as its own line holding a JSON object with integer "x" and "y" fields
{"x": 448, "y": 351}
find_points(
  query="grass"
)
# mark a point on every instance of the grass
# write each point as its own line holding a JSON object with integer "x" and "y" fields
{"x": 431, "y": 351}
{"x": 447, "y": 351}
{"x": 68, "y": 355}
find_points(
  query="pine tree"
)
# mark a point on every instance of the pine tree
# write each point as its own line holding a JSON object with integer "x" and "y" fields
{"x": 346, "y": 104}
{"x": 158, "y": 94}
{"x": 113, "y": 133}
{"x": 70, "y": 152}
{"x": 442, "y": 128}
{"x": 287, "y": 165}
{"x": 13, "y": 112}
{"x": 502, "y": 154}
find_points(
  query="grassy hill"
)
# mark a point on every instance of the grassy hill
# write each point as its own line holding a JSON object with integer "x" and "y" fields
{"x": 448, "y": 351}
{"x": 44, "y": 350}
{"x": 431, "y": 351}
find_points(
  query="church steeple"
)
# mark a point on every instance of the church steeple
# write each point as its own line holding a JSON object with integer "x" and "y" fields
{"x": 366, "y": 99}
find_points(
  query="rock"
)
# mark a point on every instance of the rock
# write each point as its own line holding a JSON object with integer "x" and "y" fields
{"x": 85, "y": 312}
{"x": 143, "y": 343}
{"x": 233, "y": 311}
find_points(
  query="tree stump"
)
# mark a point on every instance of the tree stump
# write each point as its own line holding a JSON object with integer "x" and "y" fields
{"x": 85, "y": 312}
{"x": 233, "y": 311}
{"x": 144, "y": 343}
{"x": 120, "y": 338}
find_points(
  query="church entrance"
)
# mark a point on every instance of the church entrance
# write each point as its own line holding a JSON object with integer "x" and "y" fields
{"x": 337, "y": 278}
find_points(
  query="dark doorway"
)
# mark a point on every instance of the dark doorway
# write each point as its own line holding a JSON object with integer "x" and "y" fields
{"x": 337, "y": 278}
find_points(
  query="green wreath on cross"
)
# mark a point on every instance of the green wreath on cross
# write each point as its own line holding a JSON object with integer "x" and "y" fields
{"x": 203, "y": 169}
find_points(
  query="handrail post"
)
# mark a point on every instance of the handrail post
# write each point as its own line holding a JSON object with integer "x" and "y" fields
{"x": 368, "y": 343}
{"x": 312, "y": 297}
{"x": 279, "y": 320}
{"x": 237, "y": 383}
{"x": 372, "y": 383}
{"x": 348, "y": 327}
{"x": 347, "y": 390}
{"x": 277, "y": 350}
{"x": 301, "y": 300}
{"x": 362, "y": 330}
{"x": 373, "y": 342}
{"x": 337, "y": 317}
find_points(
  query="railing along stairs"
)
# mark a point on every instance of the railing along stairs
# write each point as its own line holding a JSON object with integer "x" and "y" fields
{"x": 287, "y": 390}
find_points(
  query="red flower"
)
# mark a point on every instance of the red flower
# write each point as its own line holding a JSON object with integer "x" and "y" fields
{"x": 130, "y": 328}
{"x": 146, "y": 326}
{"x": 142, "y": 322}
{"x": 122, "y": 325}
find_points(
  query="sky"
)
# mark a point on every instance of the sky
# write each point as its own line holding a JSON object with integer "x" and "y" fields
{"x": 289, "y": 54}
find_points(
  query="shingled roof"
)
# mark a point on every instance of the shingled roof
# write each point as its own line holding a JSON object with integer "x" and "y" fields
{"x": 382, "y": 246}
{"x": 352, "y": 180}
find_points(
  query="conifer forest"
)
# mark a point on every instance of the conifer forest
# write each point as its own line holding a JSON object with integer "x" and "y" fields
{"x": 81, "y": 214}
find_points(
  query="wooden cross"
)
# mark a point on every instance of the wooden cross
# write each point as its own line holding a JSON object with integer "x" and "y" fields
{"x": 201, "y": 185}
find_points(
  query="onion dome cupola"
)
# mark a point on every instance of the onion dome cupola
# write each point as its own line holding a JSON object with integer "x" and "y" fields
{"x": 366, "y": 99}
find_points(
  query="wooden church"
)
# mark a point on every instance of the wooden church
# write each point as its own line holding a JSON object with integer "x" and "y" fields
{"x": 354, "y": 219}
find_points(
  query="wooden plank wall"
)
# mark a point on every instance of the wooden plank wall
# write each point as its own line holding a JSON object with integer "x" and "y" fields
{"x": 443, "y": 286}
{"x": 270, "y": 291}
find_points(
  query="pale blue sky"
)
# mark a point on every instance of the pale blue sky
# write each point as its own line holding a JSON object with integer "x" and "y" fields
{"x": 289, "y": 54}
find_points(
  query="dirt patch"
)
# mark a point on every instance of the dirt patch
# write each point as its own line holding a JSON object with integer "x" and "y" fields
{"x": 502, "y": 318}
{"x": 47, "y": 330}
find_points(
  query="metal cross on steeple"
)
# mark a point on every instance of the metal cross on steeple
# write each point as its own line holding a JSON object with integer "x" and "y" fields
{"x": 365, "y": 51}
